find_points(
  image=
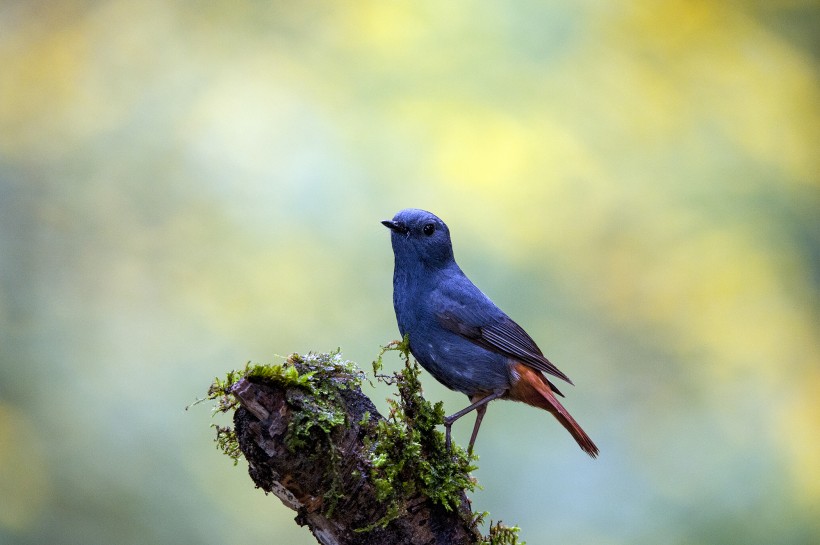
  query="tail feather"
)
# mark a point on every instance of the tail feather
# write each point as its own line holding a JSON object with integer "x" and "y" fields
{"x": 534, "y": 389}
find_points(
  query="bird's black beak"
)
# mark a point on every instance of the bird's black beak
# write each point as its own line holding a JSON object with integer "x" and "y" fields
{"x": 395, "y": 226}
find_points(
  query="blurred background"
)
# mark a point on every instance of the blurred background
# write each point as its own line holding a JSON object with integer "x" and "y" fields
{"x": 186, "y": 186}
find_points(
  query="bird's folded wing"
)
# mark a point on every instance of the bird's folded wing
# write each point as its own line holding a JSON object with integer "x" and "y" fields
{"x": 497, "y": 333}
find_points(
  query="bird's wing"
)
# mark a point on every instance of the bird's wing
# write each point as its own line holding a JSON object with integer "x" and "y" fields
{"x": 471, "y": 314}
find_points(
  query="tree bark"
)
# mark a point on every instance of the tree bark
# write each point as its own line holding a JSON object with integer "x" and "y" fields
{"x": 326, "y": 480}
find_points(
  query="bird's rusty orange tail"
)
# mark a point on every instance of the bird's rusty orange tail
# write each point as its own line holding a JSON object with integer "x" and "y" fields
{"x": 533, "y": 389}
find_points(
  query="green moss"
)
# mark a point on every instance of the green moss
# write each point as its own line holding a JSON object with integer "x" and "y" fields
{"x": 312, "y": 383}
{"x": 407, "y": 454}
{"x": 403, "y": 347}
{"x": 322, "y": 408}
{"x": 501, "y": 534}
{"x": 227, "y": 442}
{"x": 220, "y": 392}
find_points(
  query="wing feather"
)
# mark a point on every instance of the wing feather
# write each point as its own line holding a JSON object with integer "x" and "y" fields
{"x": 511, "y": 339}
{"x": 501, "y": 335}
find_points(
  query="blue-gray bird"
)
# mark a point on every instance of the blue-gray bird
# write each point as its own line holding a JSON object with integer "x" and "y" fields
{"x": 459, "y": 335}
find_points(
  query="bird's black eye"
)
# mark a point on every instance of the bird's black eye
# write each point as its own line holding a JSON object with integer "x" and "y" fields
{"x": 429, "y": 229}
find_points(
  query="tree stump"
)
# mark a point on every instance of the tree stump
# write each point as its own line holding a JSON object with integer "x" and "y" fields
{"x": 315, "y": 441}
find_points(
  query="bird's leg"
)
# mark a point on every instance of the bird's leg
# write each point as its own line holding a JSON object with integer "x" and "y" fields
{"x": 481, "y": 405}
{"x": 479, "y": 416}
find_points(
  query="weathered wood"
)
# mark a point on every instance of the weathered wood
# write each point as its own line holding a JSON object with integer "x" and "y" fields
{"x": 326, "y": 480}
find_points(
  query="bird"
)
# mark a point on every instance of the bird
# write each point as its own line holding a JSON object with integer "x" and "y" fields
{"x": 460, "y": 336}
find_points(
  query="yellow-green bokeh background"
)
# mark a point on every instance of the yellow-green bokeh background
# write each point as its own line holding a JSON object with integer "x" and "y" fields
{"x": 185, "y": 186}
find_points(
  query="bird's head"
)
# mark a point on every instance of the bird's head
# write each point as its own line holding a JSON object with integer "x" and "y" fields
{"x": 420, "y": 237}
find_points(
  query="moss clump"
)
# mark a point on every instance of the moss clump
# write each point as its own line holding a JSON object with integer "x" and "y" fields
{"x": 407, "y": 454}
{"x": 313, "y": 384}
{"x": 320, "y": 405}
{"x": 312, "y": 381}
{"x": 220, "y": 392}
{"x": 501, "y": 534}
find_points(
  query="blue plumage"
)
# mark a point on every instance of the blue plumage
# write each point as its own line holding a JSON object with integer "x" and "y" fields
{"x": 458, "y": 334}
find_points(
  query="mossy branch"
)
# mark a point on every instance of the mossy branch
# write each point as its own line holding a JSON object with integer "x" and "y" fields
{"x": 313, "y": 439}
